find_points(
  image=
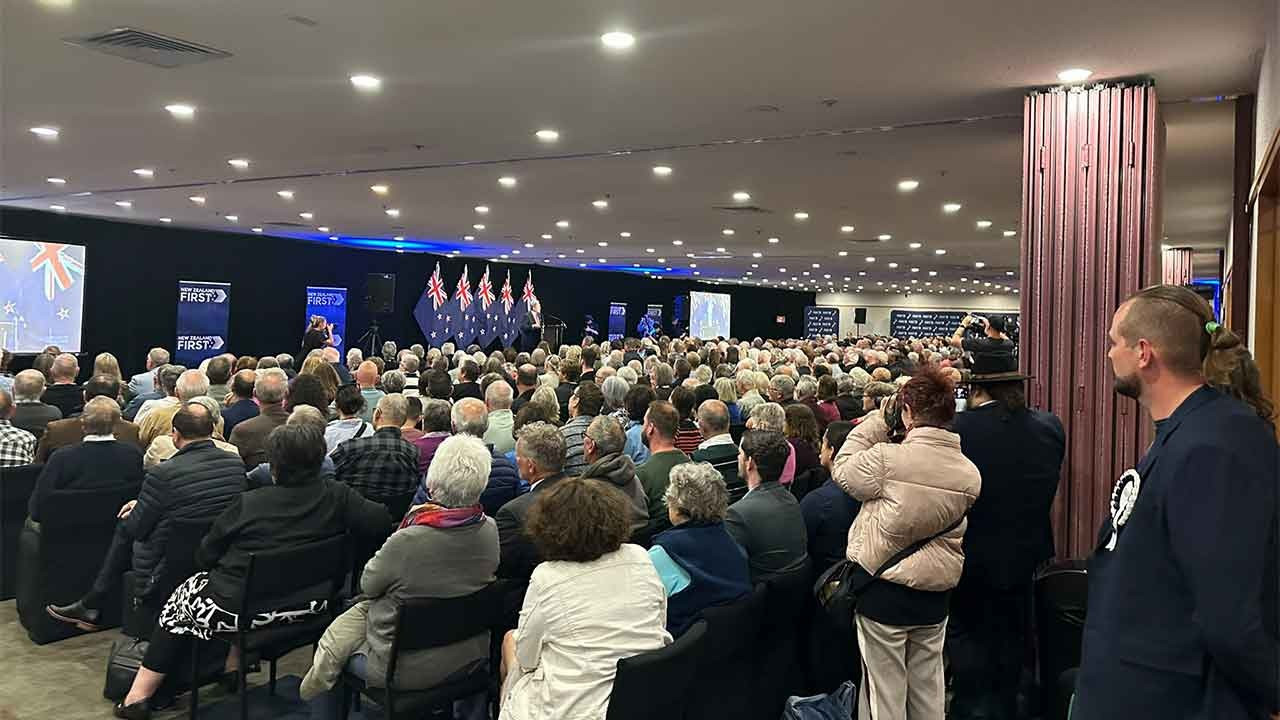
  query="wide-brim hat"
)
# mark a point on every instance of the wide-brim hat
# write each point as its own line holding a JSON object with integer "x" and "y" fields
{"x": 994, "y": 368}
{"x": 992, "y": 378}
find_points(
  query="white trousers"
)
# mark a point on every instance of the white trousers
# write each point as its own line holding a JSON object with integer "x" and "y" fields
{"x": 902, "y": 675}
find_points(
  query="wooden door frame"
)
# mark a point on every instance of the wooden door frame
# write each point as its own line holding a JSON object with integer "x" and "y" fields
{"x": 1264, "y": 201}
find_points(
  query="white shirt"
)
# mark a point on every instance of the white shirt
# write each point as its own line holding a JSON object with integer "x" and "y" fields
{"x": 721, "y": 439}
{"x": 578, "y": 620}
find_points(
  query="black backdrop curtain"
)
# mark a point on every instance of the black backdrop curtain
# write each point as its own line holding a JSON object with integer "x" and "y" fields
{"x": 133, "y": 271}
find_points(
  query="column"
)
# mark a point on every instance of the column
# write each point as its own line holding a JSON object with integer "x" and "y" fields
{"x": 1091, "y": 223}
{"x": 1175, "y": 264}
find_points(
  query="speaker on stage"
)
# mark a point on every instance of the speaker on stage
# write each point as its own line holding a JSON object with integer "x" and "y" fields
{"x": 859, "y": 316}
{"x": 380, "y": 295}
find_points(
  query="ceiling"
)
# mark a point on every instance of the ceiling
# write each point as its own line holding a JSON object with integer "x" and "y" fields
{"x": 819, "y": 107}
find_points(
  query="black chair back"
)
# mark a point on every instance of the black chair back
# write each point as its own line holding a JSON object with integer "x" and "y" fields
{"x": 15, "y": 492}
{"x": 658, "y": 684}
{"x": 808, "y": 481}
{"x": 427, "y": 623}
{"x": 728, "y": 656}
{"x": 142, "y": 605}
{"x": 1061, "y": 602}
{"x": 736, "y": 431}
{"x": 779, "y": 659}
{"x": 278, "y": 574}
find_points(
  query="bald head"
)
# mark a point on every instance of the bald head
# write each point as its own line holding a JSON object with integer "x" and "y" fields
{"x": 367, "y": 374}
{"x": 100, "y": 415}
{"x": 65, "y": 368}
{"x": 470, "y": 417}
{"x": 191, "y": 384}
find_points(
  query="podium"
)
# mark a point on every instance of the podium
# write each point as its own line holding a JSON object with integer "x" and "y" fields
{"x": 553, "y": 334}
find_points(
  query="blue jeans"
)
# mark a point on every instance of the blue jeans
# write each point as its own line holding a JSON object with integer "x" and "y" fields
{"x": 329, "y": 705}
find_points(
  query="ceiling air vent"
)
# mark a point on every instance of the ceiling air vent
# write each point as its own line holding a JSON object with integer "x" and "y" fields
{"x": 745, "y": 209}
{"x": 148, "y": 47}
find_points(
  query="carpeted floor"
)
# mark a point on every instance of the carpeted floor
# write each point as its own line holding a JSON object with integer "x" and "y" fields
{"x": 63, "y": 680}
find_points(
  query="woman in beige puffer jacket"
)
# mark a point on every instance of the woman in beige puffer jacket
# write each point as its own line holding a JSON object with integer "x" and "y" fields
{"x": 909, "y": 491}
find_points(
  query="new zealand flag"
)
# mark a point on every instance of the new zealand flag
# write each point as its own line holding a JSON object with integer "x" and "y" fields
{"x": 508, "y": 327}
{"x": 41, "y": 295}
{"x": 486, "y": 310}
{"x": 463, "y": 311}
{"x": 433, "y": 317}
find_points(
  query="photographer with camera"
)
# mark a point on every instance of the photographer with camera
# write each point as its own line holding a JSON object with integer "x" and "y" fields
{"x": 985, "y": 337}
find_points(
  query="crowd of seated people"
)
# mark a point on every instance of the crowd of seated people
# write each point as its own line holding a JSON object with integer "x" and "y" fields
{"x": 732, "y": 463}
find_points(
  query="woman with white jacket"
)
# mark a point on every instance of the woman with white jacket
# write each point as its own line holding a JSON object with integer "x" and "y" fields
{"x": 910, "y": 491}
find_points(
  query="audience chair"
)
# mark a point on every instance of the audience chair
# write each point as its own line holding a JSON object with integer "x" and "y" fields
{"x": 726, "y": 669}
{"x": 1061, "y": 601}
{"x": 142, "y": 612}
{"x": 273, "y": 579}
{"x": 431, "y": 623}
{"x": 15, "y": 492}
{"x": 659, "y": 683}
{"x": 59, "y": 558}
{"x": 778, "y": 659}
{"x": 808, "y": 481}
{"x": 736, "y": 431}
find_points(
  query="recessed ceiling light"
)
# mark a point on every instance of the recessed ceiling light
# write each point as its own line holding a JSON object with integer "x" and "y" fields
{"x": 1074, "y": 75}
{"x": 893, "y": 266}
{"x": 908, "y": 185}
{"x": 124, "y": 204}
{"x": 482, "y": 209}
{"x": 816, "y": 265}
{"x": 1009, "y": 273}
{"x": 979, "y": 264}
{"x": 915, "y": 245}
{"x": 727, "y": 231}
{"x": 603, "y": 243}
{"x": 562, "y": 224}
{"x": 546, "y": 236}
{"x": 915, "y": 270}
{"x": 862, "y": 273}
{"x": 580, "y": 251}
{"x": 846, "y": 228}
{"x": 468, "y": 237}
{"x": 582, "y": 264}
{"x": 380, "y": 189}
{"x": 801, "y": 215}
{"x": 843, "y": 253}
{"x": 393, "y": 212}
{"x": 983, "y": 224}
{"x": 600, "y": 204}
{"x": 696, "y": 272}
{"x": 618, "y": 40}
{"x": 197, "y": 199}
{"x": 933, "y": 273}
{"x": 528, "y": 245}
{"x": 649, "y": 250}
{"x": 514, "y": 251}
{"x": 306, "y": 215}
{"x": 547, "y": 135}
{"x": 286, "y": 194}
{"x": 677, "y": 242}
{"x": 755, "y": 265}
{"x": 399, "y": 250}
{"x": 561, "y": 256}
{"x": 871, "y": 258}
{"x": 940, "y": 251}
{"x": 1010, "y": 233}
{"x": 59, "y": 208}
{"x": 232, "y": 218}
{"x": 44, "y": 131}
{"x": 56, "y": 180}
{"x": 884, "y": 238}
{"x": 661, "y": 170}
{"x": 693, "y": 265}
{"x": 239, "y": 163}
{"x": 662, "y": 260}
{"x": 333, "y": 237}
{"x": 507, "y": 181}
{"x": 951, "y": 207}
{"x": 181, "y": 110}
{"x": 757, "y": 254}
{"x": 603, "y": 260}
{"x": 741, "y": 196}
{"x": 323, "y": 228}
{"x": 454, "y": 251}
{"x": 719, "y": 249}
{"x": 145, "y": 173}
{"x": 166, "y": 220}
{"x": 366, "y": 82}
{"x": 257, "y": 229}
{"x": 624, "y": 234}
{"x": 774, "y": 241}
{"x": 478, "y": 226}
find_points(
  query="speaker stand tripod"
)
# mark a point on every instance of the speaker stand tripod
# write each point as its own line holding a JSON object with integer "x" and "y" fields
{"x": 371, "y": 337}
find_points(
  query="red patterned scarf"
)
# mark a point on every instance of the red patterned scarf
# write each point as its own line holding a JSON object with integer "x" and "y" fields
{"x": 439, "y": 516}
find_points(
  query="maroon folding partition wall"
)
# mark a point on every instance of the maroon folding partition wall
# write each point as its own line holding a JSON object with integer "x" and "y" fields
{"x": 1176, "y": 266}
{"x": 1091, "y": 221}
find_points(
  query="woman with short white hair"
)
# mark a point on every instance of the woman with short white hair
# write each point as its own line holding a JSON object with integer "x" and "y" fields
{"x": 444, "y": 548}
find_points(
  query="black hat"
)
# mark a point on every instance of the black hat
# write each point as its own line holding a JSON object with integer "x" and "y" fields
{"x": 995, "y": 322}
{"x": 990, "y": 368}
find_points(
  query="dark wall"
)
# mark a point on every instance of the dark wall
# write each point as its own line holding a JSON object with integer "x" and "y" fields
{"x": 133, "y": 270}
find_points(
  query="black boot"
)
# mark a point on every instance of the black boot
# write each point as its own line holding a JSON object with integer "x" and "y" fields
{"x": 77, "y": 614}
{"x": 137, "y": 711}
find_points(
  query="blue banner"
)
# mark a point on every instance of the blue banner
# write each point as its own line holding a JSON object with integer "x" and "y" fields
{"x": 331, "y": 304}
{"x": 820, "y": 320}
{"x": 203, "y": 311}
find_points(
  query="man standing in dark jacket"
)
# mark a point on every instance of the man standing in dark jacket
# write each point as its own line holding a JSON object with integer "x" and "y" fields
{"x": 198, "y": 482}
{"x": 1019, "y": 452}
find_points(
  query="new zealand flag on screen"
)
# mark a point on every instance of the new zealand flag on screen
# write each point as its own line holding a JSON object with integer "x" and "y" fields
{"x": 41, "y": 295}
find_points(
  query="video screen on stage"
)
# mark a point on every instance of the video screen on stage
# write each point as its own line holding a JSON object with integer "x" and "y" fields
{"x": 41, "y": 295}
{"x": 708, "y": 314}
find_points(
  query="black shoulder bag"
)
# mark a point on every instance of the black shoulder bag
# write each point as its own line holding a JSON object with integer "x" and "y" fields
{"x": 839, "y": 588}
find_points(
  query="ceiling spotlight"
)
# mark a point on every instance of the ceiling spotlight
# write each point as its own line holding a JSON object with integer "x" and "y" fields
{"x": 908, "y": 185}
{"x": 774, "y": 241}
{"x": 380, "y": 189}
{"x": 580, "y": 251}
{"x": 618, "y": 40}
{"x": 1010, "y": 233}
{"x": 719, "y": 249}
{"x": 741, "y": 196}
{"x": 893, "y": 266}
{"x": 661, "y": 170}
{"x": 197, "y": 199}
{"x": 333, "y": 237}
{"x": 239, "y": 163}
{"x": 801, "y": 215}
{"x": 816, "y": 265}
{"x": 600, "y": 204}
{"x": 933, "y": 273}
{"x": 124, "y": 204}
{"x": 843, "y": 253}
{"x": 468, "y": 238}
{"x": 979, "y": 264}
{"x": 323, "y": 228}
{"x": 915, "y": 270}
{"x": 478, "y": 226}
{"x": 482, "y": 209}
{"x": 951, "y": 207}
{"x": 306, "y": 215}
{"x": 56, "y": 180}
{"x": 58, "y": 208}
{"x": 1074, "y": 75}
{"x": 940, "y": 251}
{"x": 392, "y": 212}
{"x": 603, "y": 243}
{"x": 846, "y": 228}
{"x": 547, "y": 135}
{"x": 624, "y": 234}
{"x": 677, "y": 242}
{"x": 603, "y": 260}
{"x": 757, "y": 254}
{"x": 546, "y": 236}
{"x": 166, "y": 220}
{"x": 44, "y": 131}
{"x": 507, "y": 181}
{"x": 649, "y": 250}
{"x": 181, "y": 111}
{"x": 398, "y": 238}
{"x": 286, "y": 194}
{"x": 147, "y": 173}
{"x": 727, "y": 231}
{"x": 232, "y": 218}
{"x": 884, "y": 238}
{"x": 1009, "y": 273}
{"x": 983, "y": 224}
{"x": 562, "y": 224}
{"x": 257, "y": 229}
{"x": 561, "y": 256}
{"x": 871, "y": 258}
{"x": 366, "y": 82}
